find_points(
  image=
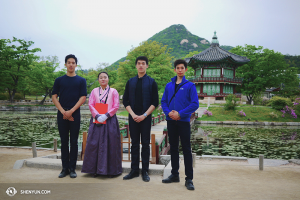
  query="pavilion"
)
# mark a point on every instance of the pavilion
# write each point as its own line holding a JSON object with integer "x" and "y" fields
{"x": 215, "y": 72}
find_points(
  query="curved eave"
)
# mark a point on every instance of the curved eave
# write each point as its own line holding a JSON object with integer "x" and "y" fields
{"x": 227, "y": 59}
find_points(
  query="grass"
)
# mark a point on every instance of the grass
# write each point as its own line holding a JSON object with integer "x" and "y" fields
{"x": 253, "y": 114}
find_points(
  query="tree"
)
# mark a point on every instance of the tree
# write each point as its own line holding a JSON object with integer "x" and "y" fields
{"x": 43, "y": 75}
{"x": 290, "y": 84}
{"x": 15, "y": 63}
{"x": 265, "y": 70}
{"x": 159, "y": 65}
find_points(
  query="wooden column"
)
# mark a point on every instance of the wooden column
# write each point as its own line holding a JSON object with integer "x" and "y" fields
{"x": 153, "y": 148}
{"x": 55, "y": 145}
{"x": 201, "y": 88}
{"x": 84, "y": 139}
{"x": 221, "y": 88}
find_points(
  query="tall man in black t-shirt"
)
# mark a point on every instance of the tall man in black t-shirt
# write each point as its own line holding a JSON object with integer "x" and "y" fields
{"x": 72, "y": 93}
{"x": 140, "y": 99}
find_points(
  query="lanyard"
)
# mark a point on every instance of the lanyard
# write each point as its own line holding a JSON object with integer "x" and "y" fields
{"x": 107, "y": 92}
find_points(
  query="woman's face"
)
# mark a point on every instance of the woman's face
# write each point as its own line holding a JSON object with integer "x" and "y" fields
{"x": 103, "y": 79}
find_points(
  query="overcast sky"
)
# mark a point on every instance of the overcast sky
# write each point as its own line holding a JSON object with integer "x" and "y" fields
{"x": 104, "y": 30}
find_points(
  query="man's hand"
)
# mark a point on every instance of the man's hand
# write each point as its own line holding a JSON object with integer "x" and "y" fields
{"x": 70, "y": 118}
{"x": 174, "y": 115}
{"x": 140, "y": 118}
{"x": 68, "y": 115}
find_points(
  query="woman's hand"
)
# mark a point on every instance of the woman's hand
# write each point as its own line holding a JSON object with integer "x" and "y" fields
{"x": 102, "y": 118}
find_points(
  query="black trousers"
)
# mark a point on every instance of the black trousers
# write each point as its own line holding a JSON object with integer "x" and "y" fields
{"x": 66, "y": 128}
{"x": 180, "y": 129}
{"x": 140, "y": 130}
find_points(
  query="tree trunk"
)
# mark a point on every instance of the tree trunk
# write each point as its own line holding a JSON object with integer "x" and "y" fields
{"x": 42, "y": 102}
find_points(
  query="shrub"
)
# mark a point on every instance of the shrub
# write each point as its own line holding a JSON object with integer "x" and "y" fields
{"x": 257, "y": 100}
{"x": 241, "y": 113}
{"x": 231, "y": 102}
{"x": 18, "y": 96}
{"x": 273, "y": 115}
{"x": 208, "y": 113}
{"x": 279, "y": 103}
{"x": 264, "y": 101}
{"x": 4, "y": 96}
{"x": 296, "y": 105}
{"x": 288, "y": 112}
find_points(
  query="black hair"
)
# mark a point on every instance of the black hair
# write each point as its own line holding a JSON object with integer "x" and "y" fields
{"x": 180, "y": 61}
{"x": 141, "y": 58}
{"x": 104, "y": 73}
{"x": 70, "y": 56}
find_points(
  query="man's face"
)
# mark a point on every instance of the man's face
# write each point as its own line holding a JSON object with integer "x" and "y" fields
{"x": 180, "y": 70}
{"x": 141, "y": 66}
{"x": 71, "y": 65}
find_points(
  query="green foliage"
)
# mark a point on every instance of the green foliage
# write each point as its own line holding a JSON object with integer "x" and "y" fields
{"x": 279, "y": 103}
{"x": 18, "y": 96}
{"x": 231, "y": 100}
{"x": 42, "y": 76}
{"x": 257, "y": 98}
{"x": 266, "y": 69}
{"x": 293, "y": 61}
{"x": 16, "y": 57}
{"x": 190, "y": 72}
{"x": 159, "y": 65}
{"x": 261, "y": 115}
{"x": 4, "y": 96}
{"x": 273, "y": 115}
{"x": 290, "y": 84}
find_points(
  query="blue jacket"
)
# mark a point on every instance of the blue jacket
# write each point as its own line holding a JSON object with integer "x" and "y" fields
{"x": 185, "y": 101}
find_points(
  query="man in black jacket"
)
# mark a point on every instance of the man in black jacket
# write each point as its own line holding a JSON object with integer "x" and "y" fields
{"x": 140, "y": 99}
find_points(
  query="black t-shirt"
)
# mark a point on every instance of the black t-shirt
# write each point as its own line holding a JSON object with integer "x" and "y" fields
{"x": 176, "y": 85}
{"x": 69, "y": 89}
{"x": 138, "y": 106}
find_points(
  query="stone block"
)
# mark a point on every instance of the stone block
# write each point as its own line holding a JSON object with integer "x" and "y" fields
{"x": 18, "y": 164}
{"x": 164, "y": 159}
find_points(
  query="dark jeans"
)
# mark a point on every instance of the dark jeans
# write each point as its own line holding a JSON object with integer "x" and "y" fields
{"x": 180, "y": 129}
{"x": 137, "y": 130}
{"x": 65, "y": 127}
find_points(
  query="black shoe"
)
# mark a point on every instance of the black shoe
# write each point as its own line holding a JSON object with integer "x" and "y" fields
{"x": 73, "y": 173}
{"x": 131, "y": 175}
{"x": 63, "y": 173}
{"x": 171, "y": 179}
{"x": 189, "y": 184}
{"x": 145, "y": 176}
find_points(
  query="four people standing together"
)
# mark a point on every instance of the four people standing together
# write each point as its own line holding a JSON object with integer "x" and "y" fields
{"x": 103, "y": 148}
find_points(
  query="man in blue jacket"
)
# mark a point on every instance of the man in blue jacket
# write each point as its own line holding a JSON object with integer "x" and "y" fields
{"x": 179, "y": 101}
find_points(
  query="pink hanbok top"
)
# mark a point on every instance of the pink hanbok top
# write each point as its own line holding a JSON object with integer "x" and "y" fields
{"x": 112, "y": 100}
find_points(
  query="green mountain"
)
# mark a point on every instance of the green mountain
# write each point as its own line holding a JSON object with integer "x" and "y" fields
{"x": 180, "y": 40}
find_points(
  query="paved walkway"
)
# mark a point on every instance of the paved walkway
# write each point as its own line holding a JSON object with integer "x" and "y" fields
{"x": 213, "y": 179}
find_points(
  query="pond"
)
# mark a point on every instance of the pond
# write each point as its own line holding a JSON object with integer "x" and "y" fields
{"x": 23, "y": 128}
{"x": 247, "y": 141}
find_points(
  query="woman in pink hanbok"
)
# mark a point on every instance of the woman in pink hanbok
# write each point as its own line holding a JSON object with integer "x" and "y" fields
{"x": 103, "y": 147}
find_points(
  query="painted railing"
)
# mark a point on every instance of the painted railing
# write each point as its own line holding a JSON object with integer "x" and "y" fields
{"x": 198, "y": 79}
{"x": 161, "y": 147}
{"x": 238, "y": 95}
